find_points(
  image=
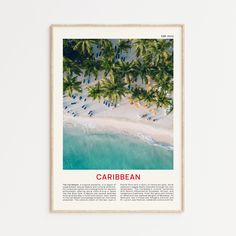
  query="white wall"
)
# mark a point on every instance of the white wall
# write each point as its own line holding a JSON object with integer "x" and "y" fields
{"x": 210, "y": 117}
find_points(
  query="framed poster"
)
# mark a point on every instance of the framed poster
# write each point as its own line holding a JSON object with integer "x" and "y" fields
{"x": 117, "y": 118}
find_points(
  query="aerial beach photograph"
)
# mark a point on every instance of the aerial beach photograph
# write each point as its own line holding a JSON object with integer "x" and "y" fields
{"x": 118, "y": 104}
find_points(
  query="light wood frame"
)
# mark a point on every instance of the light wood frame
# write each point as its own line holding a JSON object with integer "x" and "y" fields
{"x": 182, "y": 27}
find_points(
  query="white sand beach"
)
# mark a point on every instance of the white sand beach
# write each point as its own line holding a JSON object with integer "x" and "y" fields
{"x": 142, "y": 130}
{"x": 125, "y": 118}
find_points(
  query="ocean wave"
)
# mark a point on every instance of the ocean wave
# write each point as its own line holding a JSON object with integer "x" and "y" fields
{"x": 91, "y": 128}
{"x": 151, "y": 141}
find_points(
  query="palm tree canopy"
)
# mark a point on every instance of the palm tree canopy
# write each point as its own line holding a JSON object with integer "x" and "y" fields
{"x": 164, "y": 101}
{"x": 91, "y": 67}
{"x": 123, "y": 68}
{"x": 141, "y": 46}
{"x": 108, "y": 53}
{"x": 142, "y": 69}
{"x": 137, "y": 94}
{"x": 84, "y": 45}
{"x": 104, "y": 44}
{"x": 113, "y": 88}
{"x": 68, "y": 64}
{"x": 160, "y": 51}
{"x": 106, "y": 65}
{"x": 123, "y": 45}
{"x": 71, "y": 84}
{"x": 96, "y": 91}
{"x": 149, "y": 97}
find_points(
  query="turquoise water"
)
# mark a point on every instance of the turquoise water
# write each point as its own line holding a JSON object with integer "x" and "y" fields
{"x": 91, "y": 151}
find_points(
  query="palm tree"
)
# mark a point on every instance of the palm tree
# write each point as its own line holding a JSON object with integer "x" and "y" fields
{"x": 70, "y": 83}
{"x": 73, "y": 66}
{"x": 69, "y": 52}
{"x": 164, "y": 102}
{"x": 136, "y": 94}
{"x": 84, "y": 45}
{"x": 123, "y": 46}
{"x": 159, "y": 50}
{"x": 104, "y": 44}
{"x": 106, "y": 65}
{"x": 124, "y": 69}
{"x": 108, "y": 53}
{"x": 164, "y": 65}
{"x": 95, "y": 92}
{"x": 164, "y": 83}
{"x": 142, "y": 69}
{"x": 149, "y": 97}
{"x": 91, "y": 67}
{"x": 141, "y": 46}
{"x": 113, "y": 88}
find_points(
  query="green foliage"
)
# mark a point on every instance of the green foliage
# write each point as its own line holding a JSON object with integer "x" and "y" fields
{"x": 84, "y": 45}
{"x": 141, "y": 46}
{"x": 68, "y": 64}
{"x": 124, "y": 69}
{"x": 148, "y": 75}
{"x": 107, "y": 49}
{"x": 123, "y": 45}
{"x": 91, "y": 67}
{"x": 114, "y": 88}
{"x": 96, "y": 91}
{"x": 141, "y": 69}
{"x": 106, "y": 65}
{"x": 70, "y": 83}
{"x": 137, "y": 94}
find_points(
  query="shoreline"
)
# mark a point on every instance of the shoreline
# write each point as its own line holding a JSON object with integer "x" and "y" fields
{"x": 139, "y": 129}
